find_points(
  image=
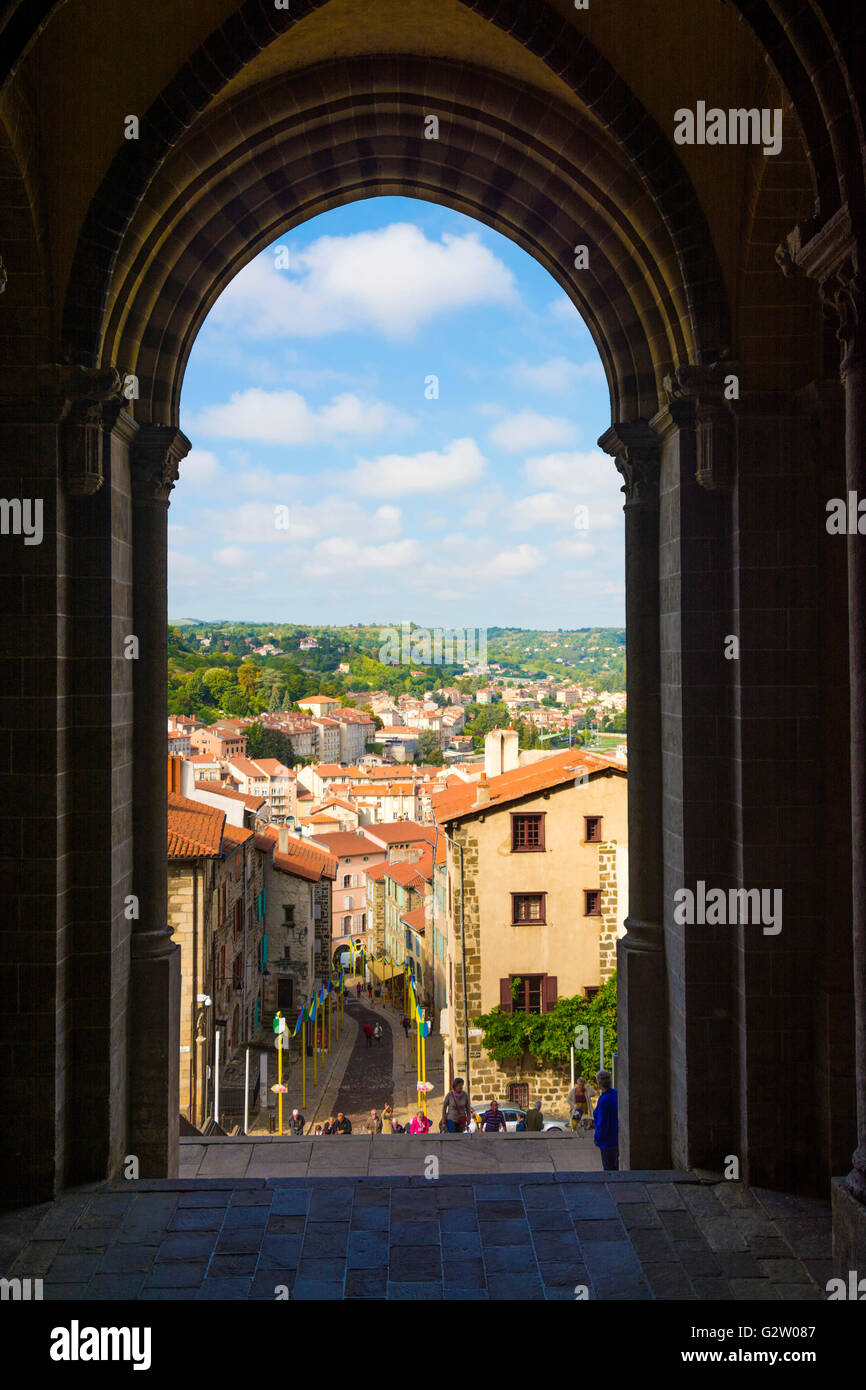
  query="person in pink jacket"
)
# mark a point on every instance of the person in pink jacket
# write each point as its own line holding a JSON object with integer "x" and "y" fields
{"x": 420, "y": 1123}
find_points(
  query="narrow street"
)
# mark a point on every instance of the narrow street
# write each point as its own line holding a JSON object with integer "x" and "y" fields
{"x": 368, "y": 1081}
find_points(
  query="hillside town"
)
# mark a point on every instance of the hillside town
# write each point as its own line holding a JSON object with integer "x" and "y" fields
{"x": 495, "y": 880}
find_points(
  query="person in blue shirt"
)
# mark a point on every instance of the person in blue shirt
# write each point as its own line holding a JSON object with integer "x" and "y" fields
{"x": 606, "y": 1122}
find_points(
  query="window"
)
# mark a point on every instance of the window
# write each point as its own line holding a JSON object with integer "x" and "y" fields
{"x": 592, "y": 902}
{"x": 238, "y": 971}
{"x": 238, "y": 915}
{"x": 347, "y": 880}
{"x": 591, "y": 990}
{"x": 527, "y": 907}
{"x": 528, "y": 994}
{"x": 592, "y": 829}
{"x": 518, "y": 1093}
{"x": 288, "y": 914}
{"x": 347, "y": 925}
{"x": 527, "y": 833}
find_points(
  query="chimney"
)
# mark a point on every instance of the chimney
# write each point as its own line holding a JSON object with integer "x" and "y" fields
{"x": 493, "y": 753}
{"x": 483, "y": 793}
{"x": 510, "y": 754}
{"x": 283, "y": 838}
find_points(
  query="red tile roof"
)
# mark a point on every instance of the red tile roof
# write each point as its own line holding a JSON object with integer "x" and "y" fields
{"x": 400, "y": 832}
{"x": 195, "y": 831}
{"x": 555, "y": 771}
{"x": 303, "y": 858}
{"x": 252, "y": 803}
{"x": 415, "y": 919}
{"x": 412, "y": 873}
{"x": 344, "y": 844}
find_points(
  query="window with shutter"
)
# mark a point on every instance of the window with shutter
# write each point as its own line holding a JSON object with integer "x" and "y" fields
{"x": 506, "y": 1002}
{"x": 548, "y": 993}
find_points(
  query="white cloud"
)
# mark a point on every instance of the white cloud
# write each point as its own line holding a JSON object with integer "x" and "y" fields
{"x": 341, "y": 552}
{"x": 448, "y": 595}
{"x": 512, "y": 564}
{"x": 393, "y": 279}
{"x": 556, "y": 374}
{"x": 230, "y": 557}
{"x": 199, "y": 468}
{"x": 528, "y": 430}
{"x": 284, "y": 417}
{"x": 257, "y": 522}
{"x": 459, "y": 463}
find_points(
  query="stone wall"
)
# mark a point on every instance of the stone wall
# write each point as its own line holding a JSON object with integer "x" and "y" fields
{"x": 547, "y": 1082}
{"x": 610, "y": 913}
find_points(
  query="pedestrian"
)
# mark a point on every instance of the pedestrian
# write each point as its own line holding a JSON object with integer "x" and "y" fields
{"x": 534, "y": 1119}
{"x": 368, "y": 1034}
{"x": 370, "y": 990}
{"x": 606, "y": 1121}
{"x": 493, "y": 1119}
{"x": 318, "y": 1132}
{"x": 358, "y": 991}
{"x": 377, "y": 1034}
{"x": 405, "y": 1025}
{"x": 297, "y": 1122}
{"x": 420, "y": 1123}
{"x": 374, "y": 1124}
{"x": 329, "y": 1127}
{"x": 455, "y": 1108}
{"x": 388, "y": 1125}
{"x": 577, "y": 1102}
{"x": 343, "y": 1124}
{"x": 474, "y": 1123}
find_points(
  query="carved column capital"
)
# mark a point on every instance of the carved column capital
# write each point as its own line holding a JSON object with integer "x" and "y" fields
{"x": 830, "y": 253}
{"x": 155, "y": 462}
{"x": 74, "y": 398}
{"x": 635, "y": 451}
{"x": 704, "y": 388}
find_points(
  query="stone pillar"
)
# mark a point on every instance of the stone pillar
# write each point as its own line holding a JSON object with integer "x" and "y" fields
{"x": 642, "y": 1010}
{"x": 155, "y": 963}
{"x": 830, "y": 254}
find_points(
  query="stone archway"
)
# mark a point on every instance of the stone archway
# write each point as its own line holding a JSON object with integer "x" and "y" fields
{"x": 725, "y": 779}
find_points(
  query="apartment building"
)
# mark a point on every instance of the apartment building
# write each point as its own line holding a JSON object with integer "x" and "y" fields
{"x": 357, "y": 729}
{"x": 327, "y": 734}
{"x": 269, "y": 779}
{"x": 299, "y": 878}
{"x": 318, "y": 706}
{"x": 538, "y": 858}
{"x": 219, "y": 742}
{"x": 354, "y": 853}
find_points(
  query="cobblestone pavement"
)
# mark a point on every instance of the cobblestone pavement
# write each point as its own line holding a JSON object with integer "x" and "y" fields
{"x": 497, "y": 1236}
{"x": 368, "y": 1081}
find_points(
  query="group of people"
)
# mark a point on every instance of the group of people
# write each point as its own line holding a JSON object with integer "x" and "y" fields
{"x": 458, "y": 1116}
{"x": 373, "y": 1032}
{"x": 604, "y": 1120}
{"x": 375, "y": 1124}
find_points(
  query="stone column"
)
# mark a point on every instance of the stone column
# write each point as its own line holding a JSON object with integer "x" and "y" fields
{"x": 830, "y": 254}
{"x": 155, "y": 962}
{"x": 642, "y": 1013}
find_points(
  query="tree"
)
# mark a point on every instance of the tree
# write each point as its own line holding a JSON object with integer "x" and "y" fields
{"x": 428, "y": 747}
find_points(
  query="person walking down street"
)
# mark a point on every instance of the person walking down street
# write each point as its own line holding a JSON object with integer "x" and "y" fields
{"x": 420, "y": 1123}
{"x": 405, "y": 1025}
{"x": 358, "y": 990}
{"x": 368, "y": 1034}
{"x": 297, "y": 1122}
{"x": 343, "y": 1124}
{"x": 388, "y": 1120}
{"x": 455, "y": 1108}
{"x": 374, "y": 1124}
{"x": 577, "y": 1102}
{"x": 493, "y": 1119}
{"x": 606, "y": 1121}
{"x": 377, "y": 1034}
{"x": 535, "y": 1118}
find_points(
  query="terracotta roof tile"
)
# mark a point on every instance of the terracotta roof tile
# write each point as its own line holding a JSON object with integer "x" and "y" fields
{"x": 303, "y": 858}
{"x": 195, "y": 831}
{"x": 554, "y": 771}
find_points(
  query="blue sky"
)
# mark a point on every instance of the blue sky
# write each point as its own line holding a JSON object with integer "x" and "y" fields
{"x": 328, "y": 484}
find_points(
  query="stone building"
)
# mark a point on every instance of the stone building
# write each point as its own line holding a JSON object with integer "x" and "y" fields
{"x": 354, "y": 854}
{"x": 725, "y": 296}
{"x": 299, "y": 878}
{"x": 537, "y": 893}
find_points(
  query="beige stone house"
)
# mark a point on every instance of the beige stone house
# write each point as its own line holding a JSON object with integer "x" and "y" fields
{"x": 299, "y": 877}
{"x": 532, "y": 902}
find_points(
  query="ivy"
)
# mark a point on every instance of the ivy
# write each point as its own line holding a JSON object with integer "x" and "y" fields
{"x": 507, "y": 1037}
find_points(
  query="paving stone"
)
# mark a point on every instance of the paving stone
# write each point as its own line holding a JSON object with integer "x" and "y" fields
{"x": 321, "y": 1269}
{"x": 616, "y": 1257}
{"x": 540, "y": 1220}
{"x": 665, "y": 1197}
{"x": 366, "y": 1196}
{"x": 450, "y": 1198}
{"x": 553, "y": 1246}
{"x": 317, "y": 1290}
{"x": 334, "y": 1204}
{"x": 736, "y": 1264}
{"x": 186, "y": 1245}
{"x": 803, "y": 1293}
{"x": 461, "y": 1244}
{"x": 73, "y": 1269}
{"x": 753, "y": 1288}
{"x": 245, "y": 1218}
{"x": 416, "y": 1204}
{"x": 514, "y": 1286}
{"x": 406, "y": 1263}
{"x": 615, "y": 1288}
{"x": 242, "y": 1241}
{"x": 326, "y": 1238}
{"x": 768, "y": 1248}
{"x": 589, "y": 1204}
{"x": 711, "y": 1288}
{"x": 653, "y": 1245}
{"x": 285, "y": 1225}
{"x": 542, "y": 1198}
{"x": 783, "y": 1271}
{"x": 818, "y": 1269}
{"x": 196, "y": 1219}
{"x": 176, "y": 1274}
{"x": 255, "y": 1197}
{"x": 414, "y": 1232}
{"x": 697, "y": 1259}
{"x": 564, "y": 1272}
{"x": 629, "y": 1192}
{"x": 639, "y": 1216}
{"x": 221, "y": 1289}
{"x": 422, "y": 1292}
{"x": 232, "y": 1266}
{"x": 467, "y": 1295}
{"x": 499, "y": 1210}
{"x": 280, "y": 1252}
{"x": 720, "y": 1233}
{"x": 266, "y": 1282}
{"x": 367, "y": 1250}
{"x": 595, "y": 1232}
{"x": 64, "y": 1293}
{"x": 680, "y": 1225}
{"x": 509, "y": 1259}
{"x": 458, "y": 1219}
{"x": 366, "y": 1283}
{"x": 127, "y": 1259}
{"x": 504, "y": 1232}
{"x": 370, "y": 1219}
{"x": 289, "y": 1201}
{"x": 668, "y": 1280}
{"x": 701, "y": 1201}
{"x": 463, "y": 1274}
{"x": 106, "y": 1210}
{"x": 122, "y": 1287}
{"x": 37, "y": 1258}
{"x": 85, "y": 1238}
